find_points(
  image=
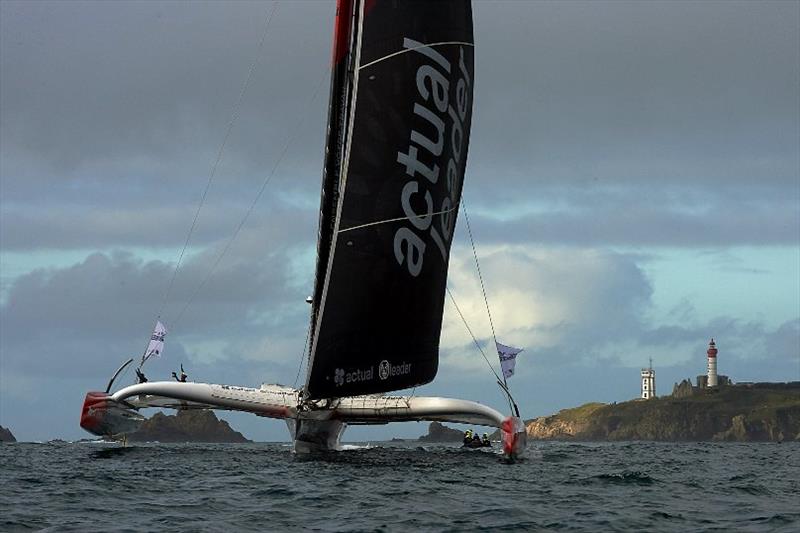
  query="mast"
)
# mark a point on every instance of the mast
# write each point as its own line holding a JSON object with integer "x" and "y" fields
{"x": 341, "y": 78}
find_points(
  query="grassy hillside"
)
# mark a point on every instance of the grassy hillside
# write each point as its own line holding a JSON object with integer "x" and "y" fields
{"x": 763, "y": 412}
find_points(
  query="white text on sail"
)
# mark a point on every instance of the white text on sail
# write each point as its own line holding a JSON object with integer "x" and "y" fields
{"x": 433, "y": 85}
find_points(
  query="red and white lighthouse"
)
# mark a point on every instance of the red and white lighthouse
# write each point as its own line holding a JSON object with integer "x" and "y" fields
{"x": 712, "y": 364}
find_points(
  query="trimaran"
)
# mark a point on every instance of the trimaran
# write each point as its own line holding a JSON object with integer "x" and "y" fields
{"x": 398, "y": 132}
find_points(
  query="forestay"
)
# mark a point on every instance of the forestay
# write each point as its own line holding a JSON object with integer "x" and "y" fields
{"x": 399, "y": 123}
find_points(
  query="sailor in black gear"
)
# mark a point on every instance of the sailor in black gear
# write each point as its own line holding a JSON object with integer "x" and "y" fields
{"x": 183, "y": 377}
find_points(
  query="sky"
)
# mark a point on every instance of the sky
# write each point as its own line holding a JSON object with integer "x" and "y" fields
{"x": 633, "y": 187}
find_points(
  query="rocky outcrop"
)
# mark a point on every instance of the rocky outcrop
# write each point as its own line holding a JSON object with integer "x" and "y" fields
{"x": 6, "y": 435}
{"x": 683, "y": 389}
{"x": 566, "y": 424}
{"x": 738, "y": 413}
{"x": 186, "y": 426}
{"x": 438, "y": 432}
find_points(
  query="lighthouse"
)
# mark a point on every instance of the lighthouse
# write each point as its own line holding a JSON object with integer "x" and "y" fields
{"x": 712, "y": 364}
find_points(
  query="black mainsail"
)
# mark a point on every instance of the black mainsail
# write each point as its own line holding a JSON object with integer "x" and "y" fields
{"x": 398, "y": 133}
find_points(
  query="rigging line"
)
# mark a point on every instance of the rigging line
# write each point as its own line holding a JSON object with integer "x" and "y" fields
{"x": 302, "y": 355}
{"x": 234, "y": 116}
{"x": 398, "y": 219}
{"x": 289, "y": 141}
{"x": 511, "y": 403}
{"x": 477, "y": 344}
{"x": 478, "y": 266}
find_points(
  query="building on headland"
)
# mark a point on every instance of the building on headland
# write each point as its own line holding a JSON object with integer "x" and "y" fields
{"x": 648, "y": 382}
{"x": 702, "y": 381}
{"x": 711, "y": 382}
{"x": 712, "y": 379}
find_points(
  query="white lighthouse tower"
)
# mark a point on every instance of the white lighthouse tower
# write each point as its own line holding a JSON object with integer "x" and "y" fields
{"x": 648, "y": 382}
{"x": 712, "y": 364}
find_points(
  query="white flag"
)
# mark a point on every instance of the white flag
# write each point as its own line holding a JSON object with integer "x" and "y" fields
{"x": 156, "y": 345}
{"x": 508, "y": 357}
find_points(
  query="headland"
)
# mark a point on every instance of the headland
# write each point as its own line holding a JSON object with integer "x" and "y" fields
{"x": 743, "y": 412}
{"x": 199, "y": 425}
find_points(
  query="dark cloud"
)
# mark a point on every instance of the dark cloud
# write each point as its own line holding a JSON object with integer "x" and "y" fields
{"x": 640, "y": 123}
{"x": 84, "y": 82}
{"x": 591, "y": 87}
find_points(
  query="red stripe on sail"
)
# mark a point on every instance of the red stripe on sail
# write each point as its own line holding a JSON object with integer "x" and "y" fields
{"x": 341, "y": 29}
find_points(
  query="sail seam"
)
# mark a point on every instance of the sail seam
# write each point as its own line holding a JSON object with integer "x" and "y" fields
{"x": 403, "y": 51}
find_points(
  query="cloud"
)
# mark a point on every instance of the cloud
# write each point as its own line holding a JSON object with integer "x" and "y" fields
{"x": 582, "y": 315}
{"x": 785, "y": 343}
{"x": 86, "y": 317}
{"x": 623, "y": 219}
{"x": 574, "y": 306}
{"x": 584, "y": 86}
{"x": 645, "y": 126}
{"x": 84, "y": 82}
{"x": 539, "y": 297}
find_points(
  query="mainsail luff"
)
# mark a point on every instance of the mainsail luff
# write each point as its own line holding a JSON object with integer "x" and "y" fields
{"x": 378, "y": 316}
{"x": 341, "y": 76}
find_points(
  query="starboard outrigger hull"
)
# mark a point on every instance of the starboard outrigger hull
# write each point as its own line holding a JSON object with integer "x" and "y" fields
{"x": 313, "y": 425}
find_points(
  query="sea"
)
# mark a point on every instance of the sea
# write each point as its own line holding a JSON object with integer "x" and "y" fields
{"x": 400, "y": 486}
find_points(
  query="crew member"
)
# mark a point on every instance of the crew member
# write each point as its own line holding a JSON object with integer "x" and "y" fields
{"x": 183, "y": 377}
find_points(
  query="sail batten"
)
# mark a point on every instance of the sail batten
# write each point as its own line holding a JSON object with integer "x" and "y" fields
{"x": 406, "y": 50}
{"x": 402, "y": 143}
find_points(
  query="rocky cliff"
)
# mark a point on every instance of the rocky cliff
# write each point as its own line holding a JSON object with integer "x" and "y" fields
{"x": 758, "y": 412}
{"x": 6, "y": 435}
{"x": 186, "y": 426}
{"x": 438, "y": 432}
